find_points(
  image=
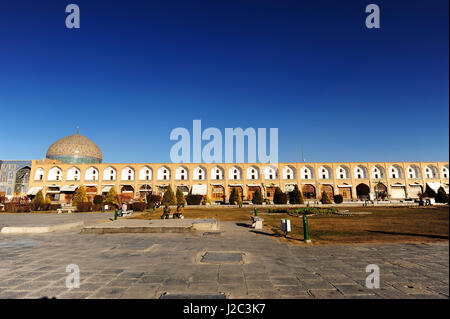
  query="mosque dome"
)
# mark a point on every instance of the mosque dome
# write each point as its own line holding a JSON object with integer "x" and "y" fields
{"x": 75, "y": 148}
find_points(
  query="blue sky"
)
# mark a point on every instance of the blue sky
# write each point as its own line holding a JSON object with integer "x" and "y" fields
{"x": 137, "y": 69}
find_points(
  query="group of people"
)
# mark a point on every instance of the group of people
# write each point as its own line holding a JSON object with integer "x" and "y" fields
{"x": 177, "y": 214}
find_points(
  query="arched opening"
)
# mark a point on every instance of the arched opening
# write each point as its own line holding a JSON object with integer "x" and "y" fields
{"x": 91, "y": 174}
{"x": 55, "y": 174}
{"x": 324, "y": 172}
{"x": 184, "y": 189}
{"x": 145, "y": 190}
{"x": 414, "y": 191}
{"x": 39, "y": 174}
{"x": 342, "y": 172}
{"x": 288, "y": 172}
{"x": 218, "y": 193}
{"x": 346, "y": 191}
{"x": 252, "y": 173}
{"x": 145, "y": 173}
{"x": 309, "y": 191}
{"x": 381, "y": 191}
{"x": 216, "y": 173}
{"x": 239, "y": 189}
{"x": 270, "y": 192}
{"x": 327, "y": 189}
{"x": 306, "y": 172}
{"x": 127, "y": 174}
{"x": 251, "y": 190}
{"x": 362, "y": 191}
{"x": 234, "y": 173}
{"x": 126, "y": 193}
{"x": 270, "y": 173}
{"x": 181, "y": 173}
{"x": 398, "y": 191}
{"x": 91, "y": 191}
{"x": 199, "y": 173}
{"x": 163, "y": 174}
{"x": 360, "y": 172}
{"x": 109, "y": 174}
{"x": 22, "y": 179}
{"x": 73, "y": 174}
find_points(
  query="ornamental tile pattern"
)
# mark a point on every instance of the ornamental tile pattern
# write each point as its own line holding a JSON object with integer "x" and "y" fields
{"x": 74, "y": 148}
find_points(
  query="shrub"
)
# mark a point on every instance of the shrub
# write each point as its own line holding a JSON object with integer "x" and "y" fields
{"x": 54, "y": 206}
{"x": 138, "y": 206}
{"x": 84, "y": 207}
{"x": 296, "y": 197}
{"x": 430, "y": 192}
{"x": 98, "y": 199}
{"x": 325, "y": 198}
{"x": 97, "y": 207}
{"x": 180, "y": 197}
{"x": 18, "y": 208}
{"x": 111, "y": 198}
{"x": 279, "y": 197}
{"x": 38, "y": 200}
{"x": 152, "y": 199}
{"x": 338, "y": 199}
{"x": 194, "y": 199}
{"x": 206, "y": 200}
{"x": 80, "y": 196}
{"x": 257, "y": 197}
{"x": 441, "y": 196}
{"x": 169, "y": 197}
{"x": 44, "y": 207}
{"x": 234, "y": 197}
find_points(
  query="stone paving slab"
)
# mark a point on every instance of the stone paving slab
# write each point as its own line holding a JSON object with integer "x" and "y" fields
{"x": 147, "y": 265}
{"x": 151, "y": 226}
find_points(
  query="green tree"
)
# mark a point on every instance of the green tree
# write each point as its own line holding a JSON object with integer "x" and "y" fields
{"x": 169, "y": 197}
{"x": 80, "y": 196}
{"x": 180, "y": 197}
{"x": 325, "y": 198}
{"x": 111, "y": 197}
{"x": 296, "y": 197}
{"x": 441, "y": 196}
{"x": 38, "y": 200}
{"x": 98, "y": 199}
{"x": 257, "y": 197}
{"x": 279, "y": 197}
{"x": 234, "y": 197}
{"x": 302, "y": 198}
{"x": 429, "y": 192}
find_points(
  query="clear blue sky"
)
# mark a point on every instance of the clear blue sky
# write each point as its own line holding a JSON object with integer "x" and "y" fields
{"x": 137, "y": 69}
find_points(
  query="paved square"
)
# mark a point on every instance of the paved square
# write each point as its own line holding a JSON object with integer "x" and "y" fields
{"x": 150, "y": 265}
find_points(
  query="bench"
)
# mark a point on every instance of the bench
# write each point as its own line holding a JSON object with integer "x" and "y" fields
{"x": 257, "y": 222}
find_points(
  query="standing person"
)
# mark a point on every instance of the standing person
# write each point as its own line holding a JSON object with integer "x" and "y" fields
{"x": 124, "y": 209}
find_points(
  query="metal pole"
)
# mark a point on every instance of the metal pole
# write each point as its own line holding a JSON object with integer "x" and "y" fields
{"x": 305, "y": 229}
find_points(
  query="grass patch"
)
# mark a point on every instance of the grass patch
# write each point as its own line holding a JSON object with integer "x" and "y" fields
{"x": 383, "y": 225}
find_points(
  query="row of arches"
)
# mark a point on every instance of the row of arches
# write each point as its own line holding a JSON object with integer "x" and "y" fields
{"x": 252, "y": 173}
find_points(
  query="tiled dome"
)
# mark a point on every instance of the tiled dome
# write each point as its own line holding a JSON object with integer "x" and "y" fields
{"x": 75, "y": 148}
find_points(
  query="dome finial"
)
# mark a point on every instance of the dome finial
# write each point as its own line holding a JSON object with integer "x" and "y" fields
{"x": 78, "y": 130}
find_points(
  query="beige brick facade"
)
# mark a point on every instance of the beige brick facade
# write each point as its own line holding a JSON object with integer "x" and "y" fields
{"x": 401, "y": 179}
